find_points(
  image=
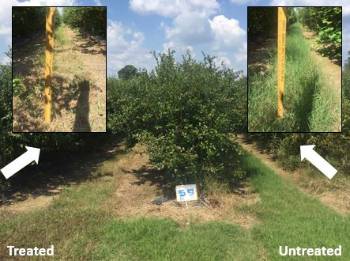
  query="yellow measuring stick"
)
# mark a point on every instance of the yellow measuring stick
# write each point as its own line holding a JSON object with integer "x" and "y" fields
{"x": 281, "y": 58}
{"x": 48, "y": 64}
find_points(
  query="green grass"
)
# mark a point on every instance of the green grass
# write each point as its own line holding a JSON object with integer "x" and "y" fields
{"x": 82, "y": 228}
{"x": 290, "y": 217}
{"x": 60, "y": 37}
{"x": 309, "y": 105}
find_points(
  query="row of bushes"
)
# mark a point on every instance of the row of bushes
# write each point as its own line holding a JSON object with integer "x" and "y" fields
{"x": 91, "y": 20}
{"x": 327, "y": 23}
{"x": 262, "y": 21}
{"x": 29, "y": 21}
{"x": 183, "y": 112}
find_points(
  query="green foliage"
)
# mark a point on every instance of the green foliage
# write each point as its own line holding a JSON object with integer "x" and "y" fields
{"x": 127, "y": 72}
{"x": 262, "y": 22}
{"x": 30, "y": 21}
{"x": 27, "y": 21}
{"x": 60, "y": 38}
{"x": 286, "y": 147}
{"x": 5, "y": 117}
{"x": 346, "y": 99}
{"x": 57, "y": 19}
{"x": 183, "y": 112}
{"x": 326, "y": 22}
{"x": 18, "y": 87}
{"x": 292, "y": 16}
{"x": 91, "y": 20}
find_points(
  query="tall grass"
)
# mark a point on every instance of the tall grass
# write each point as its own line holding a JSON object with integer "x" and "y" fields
{"x": 308, "y": 103}
{"x": 60, "y": 37}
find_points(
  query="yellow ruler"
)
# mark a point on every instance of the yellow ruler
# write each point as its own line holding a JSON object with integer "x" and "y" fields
{"x": 281, "y": 58}
{"x": 48, "y": 64}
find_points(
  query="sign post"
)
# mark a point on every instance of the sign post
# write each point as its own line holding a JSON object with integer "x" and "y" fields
{"x": 281, "y": 58}
{"x": 48, "y": 64}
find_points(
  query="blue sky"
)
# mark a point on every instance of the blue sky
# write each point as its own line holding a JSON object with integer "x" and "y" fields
{"x": 138, "y": 27}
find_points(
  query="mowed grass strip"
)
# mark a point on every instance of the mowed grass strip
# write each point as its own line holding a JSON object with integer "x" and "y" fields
{"x": 82, "y": 228}
{"x": 308, "y": 100}
{"x": 291, "y": 218}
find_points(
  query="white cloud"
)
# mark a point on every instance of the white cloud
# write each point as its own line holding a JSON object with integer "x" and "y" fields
{"x": 219, "y": 36}
{"x": 125, "y": 47}
{"x": 173, "y": 8}
{"x": 227, "y": 31}
{"x": 189, "y": 28}
{"x": 196, "y": 26}
{"x": 229, "y": 42}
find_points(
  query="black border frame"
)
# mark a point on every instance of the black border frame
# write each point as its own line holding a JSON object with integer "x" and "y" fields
{"x": 106, "y": 73}
{"x": 341, "y": 73}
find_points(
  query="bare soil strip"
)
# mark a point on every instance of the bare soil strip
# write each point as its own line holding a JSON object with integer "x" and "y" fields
{"x": 138, "y": 185}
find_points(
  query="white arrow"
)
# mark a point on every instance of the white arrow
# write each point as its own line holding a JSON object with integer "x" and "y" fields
{"x": 32, "y": 154}
{"x": 307, "y": 152}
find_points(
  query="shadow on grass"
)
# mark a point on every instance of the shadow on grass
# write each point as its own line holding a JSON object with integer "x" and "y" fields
{"x": 156, "y": 178}
{"x": 61, "y": 169}
{"x": 81, "y": 122}
{"x": 260, "y": 53}
{"x": 72, "y": 96}
{"x": 303, "y": 107}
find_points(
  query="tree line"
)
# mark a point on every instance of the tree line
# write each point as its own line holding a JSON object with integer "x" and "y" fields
{"x": 30, "y": 21}
{"x": 325, "y": 22}
{"x": 91, "y": 20}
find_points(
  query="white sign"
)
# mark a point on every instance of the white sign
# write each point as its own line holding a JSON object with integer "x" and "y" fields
{"x": 186, "y": 192}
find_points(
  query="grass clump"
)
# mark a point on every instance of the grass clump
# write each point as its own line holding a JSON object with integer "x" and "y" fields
{"x": 60, "y": 37}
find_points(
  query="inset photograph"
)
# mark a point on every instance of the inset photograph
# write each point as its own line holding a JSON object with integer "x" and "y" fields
{"x": 294, "y": 69}
{"x": 59, "y": 69}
